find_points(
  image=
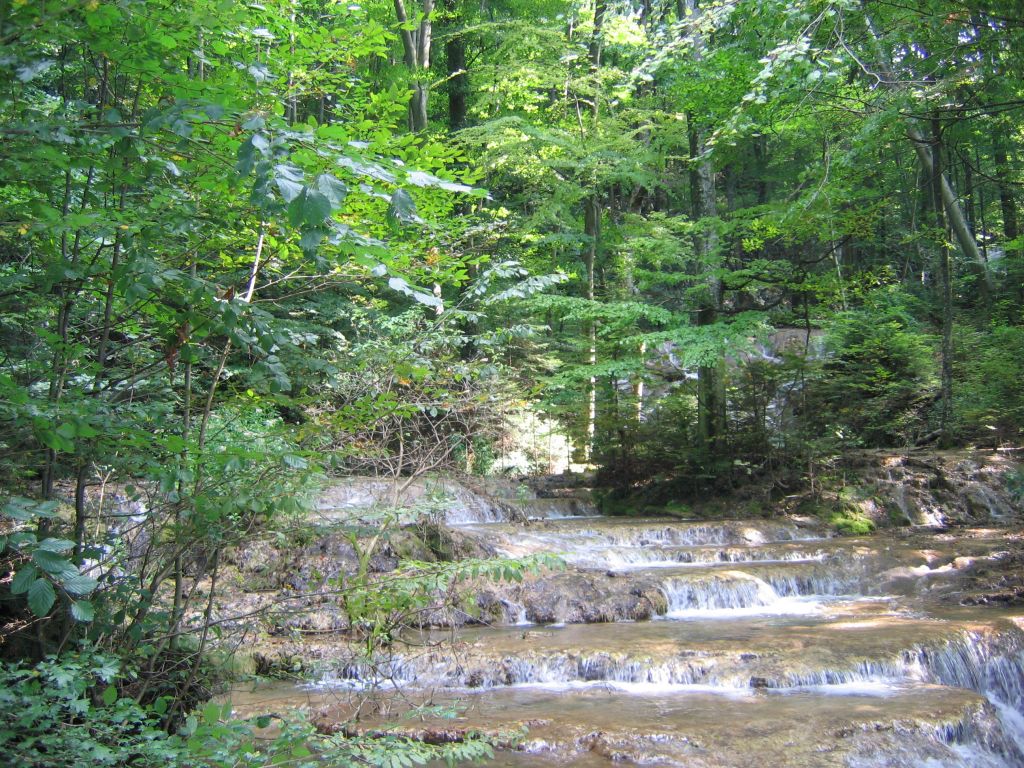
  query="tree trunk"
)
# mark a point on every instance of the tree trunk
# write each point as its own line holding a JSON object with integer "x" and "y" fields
{"x": 416, "y": 48}
{"x": 703, "y": 198}
{"x": 458, "y": 85}
{"x": 1008, "y": 208}
{"x": 592, "y": 229}
{"x": 594, "y": 49}
{"x": 761, "y": 168}
{"x": 945, "y": 288}
{"x": 954, "y": 213}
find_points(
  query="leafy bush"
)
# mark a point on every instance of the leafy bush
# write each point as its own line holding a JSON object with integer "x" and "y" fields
{"x": 67, "y": 712}
{"x": 988, "y": 396}
{"x": 877, "y": 384}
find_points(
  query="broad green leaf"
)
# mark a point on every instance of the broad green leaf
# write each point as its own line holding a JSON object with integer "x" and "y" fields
{"x": 53, "y": 563}
{"x": 23, "y": 579}
{"x": 41, "y": 597}
{"x": 331, "y": 188}
{"x": 289, "y": 189}
{"x": 402, "y": 209}
{"x": 310, "y": 208}
{"x": 211, "y": 713}
{"x": 293, "y": 461}
{"x": 109, "y": 695}
{"x": 82, "y": 610}
{"x": 22, "y": 509}
{"x": 260, "y": 142}
{"x": 57, "y": 545}
{"x": 78, "y": 584}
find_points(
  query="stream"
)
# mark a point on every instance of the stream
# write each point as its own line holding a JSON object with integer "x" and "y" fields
{"x": 769, "y": 643}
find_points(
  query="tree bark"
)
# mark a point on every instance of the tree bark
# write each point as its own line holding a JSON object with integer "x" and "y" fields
{"x": 416, "y": 49}
{"x": 950, "y": 204}
{"x": 1008, "y": 208}
{"x": 945, "y": 289}
{"x": 1007, "y": 203}
{"x": 458, "y": 85}
{"x": 703, "y": 197}
{"x": 592, "y": 229}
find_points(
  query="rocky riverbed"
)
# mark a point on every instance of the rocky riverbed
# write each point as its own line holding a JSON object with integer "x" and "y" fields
{"x": 729, "y": 642}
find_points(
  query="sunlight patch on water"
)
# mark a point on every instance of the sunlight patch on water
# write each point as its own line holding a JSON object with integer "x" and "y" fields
{"x": 783, "y": 606}
{"x": 638, "y": 689}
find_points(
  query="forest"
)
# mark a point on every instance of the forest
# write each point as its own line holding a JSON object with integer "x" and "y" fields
{"x": 694, "y": 247}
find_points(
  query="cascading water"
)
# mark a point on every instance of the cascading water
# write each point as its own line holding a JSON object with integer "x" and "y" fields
{"x": 773, "y": 645}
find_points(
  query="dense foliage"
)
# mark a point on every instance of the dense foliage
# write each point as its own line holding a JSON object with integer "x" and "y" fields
{"x": 243, "y": 246}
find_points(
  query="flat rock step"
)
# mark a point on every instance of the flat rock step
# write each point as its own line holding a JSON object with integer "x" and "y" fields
{"x": 569, "y": 534}
{"x": 910, "y": 552}
{"x": 722, "y": 588}
{"x": 865, "y": 646}
{"x": 897, "y": 726}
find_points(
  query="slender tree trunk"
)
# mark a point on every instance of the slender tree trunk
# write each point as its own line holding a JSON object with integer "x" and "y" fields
{"x": 638, "y": 388}
{"x": 948, "y": 201}
{"x": 970, "y": 207}
{"x": 945, "y": 288}
{"x": 592, "y": 229}
{"x": 761, "y": 168}
{"x": 594, "y": 48}
{"x": 710, "y": 378}
{"x": 458, "y": 84}
{"x": 1008, "y": 208}
{"x": 703, "y": 199}
{"x": 416, "y": 47}
{"x": 1007, "y": 203}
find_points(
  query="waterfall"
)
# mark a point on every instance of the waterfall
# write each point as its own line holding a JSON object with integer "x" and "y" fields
{"x": 757, "y": 617}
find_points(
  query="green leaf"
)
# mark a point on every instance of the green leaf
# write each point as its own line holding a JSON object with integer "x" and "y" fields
{"x": 254, "y": 122}
{"x": 41, "y": 597}
{"x": 53, "y": 439}
{"x": 57, "y": 545}
{"x": 331, "y": 188}
{"x": 22, "y": 509}
{"x": 260, "y": 142}
{"x": 211, "y": 713}
{"x": 402, "y": 209}
{"x": 79, "y": 584}
{"x": 23, "y": 579}
{"x": 289, "y": 189}
{"x": 53, "y": 563}
{"x": 22, "y": 539}
{"x": 82, "y": 610}
{"x": 309, "y": 208}
{"x": 293, "y": 461}
{"x": 246, "y": 161}
{"x": 109, "y": 695}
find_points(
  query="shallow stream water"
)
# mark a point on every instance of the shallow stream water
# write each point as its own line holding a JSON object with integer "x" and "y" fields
{"x": 772, "y": 645}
